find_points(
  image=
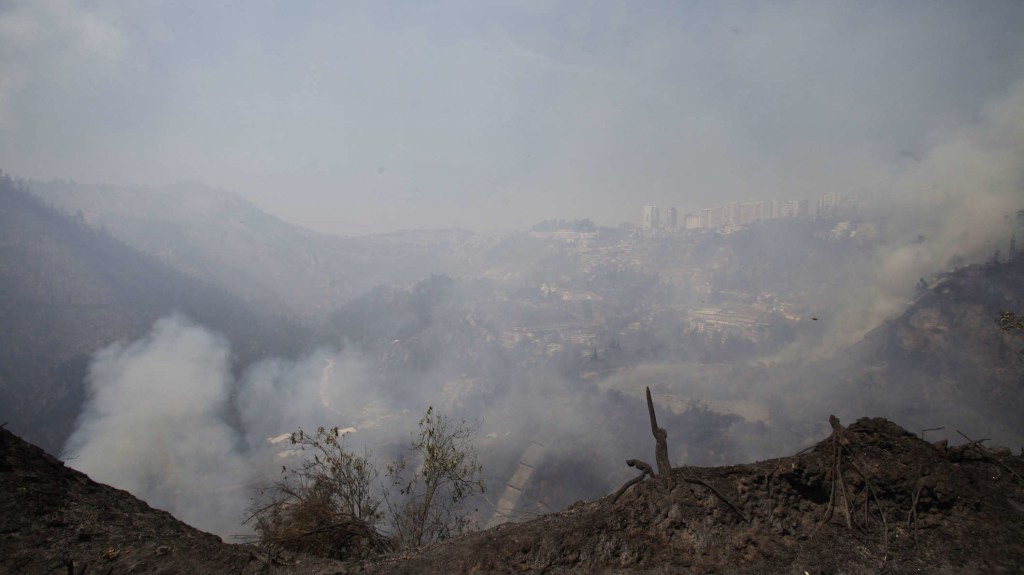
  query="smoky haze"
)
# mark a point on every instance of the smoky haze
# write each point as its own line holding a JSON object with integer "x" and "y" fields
{"x": 366, "y": 117}
{"x": 358, "y": 119}
{"x": 167, "y": 419}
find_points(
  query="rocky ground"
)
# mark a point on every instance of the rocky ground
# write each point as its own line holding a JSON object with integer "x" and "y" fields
{"x": 871, "y": 498}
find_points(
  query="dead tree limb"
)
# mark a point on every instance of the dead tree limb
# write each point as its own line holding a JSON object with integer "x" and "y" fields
{"x": 660, "y": 440}
{"x": 878, "y": 503}
{"x": 836, "y": 472}
{"x": 839, "y": 447}
{"x": 690, "y": 479}
{"x": 645, "y": 471}
{"x": 976, "y": 445}
{"x": 912, "y": 516}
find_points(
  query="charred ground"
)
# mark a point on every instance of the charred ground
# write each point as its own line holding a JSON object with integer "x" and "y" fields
{"x": 871, "y": 498}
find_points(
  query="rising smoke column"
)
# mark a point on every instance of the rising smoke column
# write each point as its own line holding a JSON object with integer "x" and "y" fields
{"x": 154, "y": 425}
{"x": 156, "y": 419}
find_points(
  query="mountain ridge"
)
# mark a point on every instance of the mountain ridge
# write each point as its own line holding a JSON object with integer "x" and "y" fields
{"x": 219, "y": 236}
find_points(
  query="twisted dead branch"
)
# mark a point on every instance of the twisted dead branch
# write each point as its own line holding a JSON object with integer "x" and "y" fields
{"x": 836, "y": 473}
{"x": 839, "y": 447}
{"x": 690, "y": 479}
{"x": 645, "y": 471}
{"x": 984, "y": 453}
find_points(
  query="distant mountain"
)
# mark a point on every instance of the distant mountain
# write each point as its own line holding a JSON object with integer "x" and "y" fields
{"x": 69, "y": 290}
{"x": 219, "y": 237}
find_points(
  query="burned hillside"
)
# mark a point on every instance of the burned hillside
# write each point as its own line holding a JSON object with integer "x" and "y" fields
{"x": 54, "y": 519}
{"x": 870, "y": 498}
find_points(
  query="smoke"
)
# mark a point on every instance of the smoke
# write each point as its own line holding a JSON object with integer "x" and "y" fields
{"x": 953, "y": 207}
{"x": 166, "y": 421}
{"x": 155, "y": 424}
{"x": 326, "y": 388}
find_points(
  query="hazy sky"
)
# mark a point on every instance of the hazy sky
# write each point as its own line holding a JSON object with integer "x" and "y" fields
{"x": 355, "y": 117}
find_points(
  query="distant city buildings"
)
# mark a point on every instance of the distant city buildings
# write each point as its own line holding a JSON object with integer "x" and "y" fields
{"x": 735, "y": 215}
{"x": 827, "y": 205}
{"x": 671, "y": 219}
{"x": 652, "y": 218}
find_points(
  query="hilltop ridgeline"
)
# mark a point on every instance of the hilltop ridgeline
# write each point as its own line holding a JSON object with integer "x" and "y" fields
{"x": 870, "y": 498}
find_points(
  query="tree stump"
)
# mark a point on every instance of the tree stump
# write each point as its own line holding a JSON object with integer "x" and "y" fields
{"x": 660, "y": 440}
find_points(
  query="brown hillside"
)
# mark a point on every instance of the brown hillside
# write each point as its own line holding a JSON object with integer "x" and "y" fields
{"x": 51, "y": 516}
{"x": 956, "y": 510}
{"x": 902, "y": 505}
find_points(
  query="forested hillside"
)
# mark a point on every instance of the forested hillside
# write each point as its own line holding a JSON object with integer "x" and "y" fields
{"x": 944, "y": 362}
{"x": 68, "y": 290}
{"x": 219, "y": 237}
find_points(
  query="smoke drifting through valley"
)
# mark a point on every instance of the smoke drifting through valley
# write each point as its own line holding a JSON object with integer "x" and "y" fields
{"x": 166, "y": 420}
{"x": 954, "y": 205}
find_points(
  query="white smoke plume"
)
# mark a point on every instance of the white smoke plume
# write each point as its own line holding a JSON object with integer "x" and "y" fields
{"x": 155, "y": 425}
{"x": 953, "y": 207}
{"x": 156, "y": 422}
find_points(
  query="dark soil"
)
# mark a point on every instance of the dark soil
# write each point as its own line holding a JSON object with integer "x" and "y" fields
{"x": 52, "y": 516}
{"x": 947, "y": 510}
{"x": 897, "y": 505}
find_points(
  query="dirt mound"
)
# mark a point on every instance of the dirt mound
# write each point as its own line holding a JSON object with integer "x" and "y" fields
{"x": 870, "y": 499}
{"x": 54, "y": 519}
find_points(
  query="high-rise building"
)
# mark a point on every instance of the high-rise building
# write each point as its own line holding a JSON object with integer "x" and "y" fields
{"x": 716, "y": 217}
{"x": 789, "y": 208}
{"x": 827, "y": 205}
{"x": 671, "y": 219}
{"x": 692, "y": 222}
{"x": 652, "y": 217}
{"x": 750, "y": 213}
{"x": 732, "y": 214}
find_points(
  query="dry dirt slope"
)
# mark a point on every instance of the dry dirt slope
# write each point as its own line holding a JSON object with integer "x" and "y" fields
{"x": 958, "y": 510}
{"x": 51, "y": 515}
{"x": 872, "y": 498}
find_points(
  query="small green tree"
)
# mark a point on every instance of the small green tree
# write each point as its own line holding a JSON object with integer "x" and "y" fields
{"x": 325, "y": 506}
{"x": 434, "y": 481}
{"x": 1010, "y": 322}
{"x": 332, "y": 505}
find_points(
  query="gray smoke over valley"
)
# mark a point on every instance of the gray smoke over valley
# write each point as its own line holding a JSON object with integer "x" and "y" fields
{"x": 167, "y": 420}
{"x": 955, "y": 205}
{"x": 475, "y": 173}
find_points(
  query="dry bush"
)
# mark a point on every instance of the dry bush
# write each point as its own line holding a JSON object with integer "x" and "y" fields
{"x": 324, "y": 507}
{"x": 434, "y": 482}
{"x": 332, "y": 505}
